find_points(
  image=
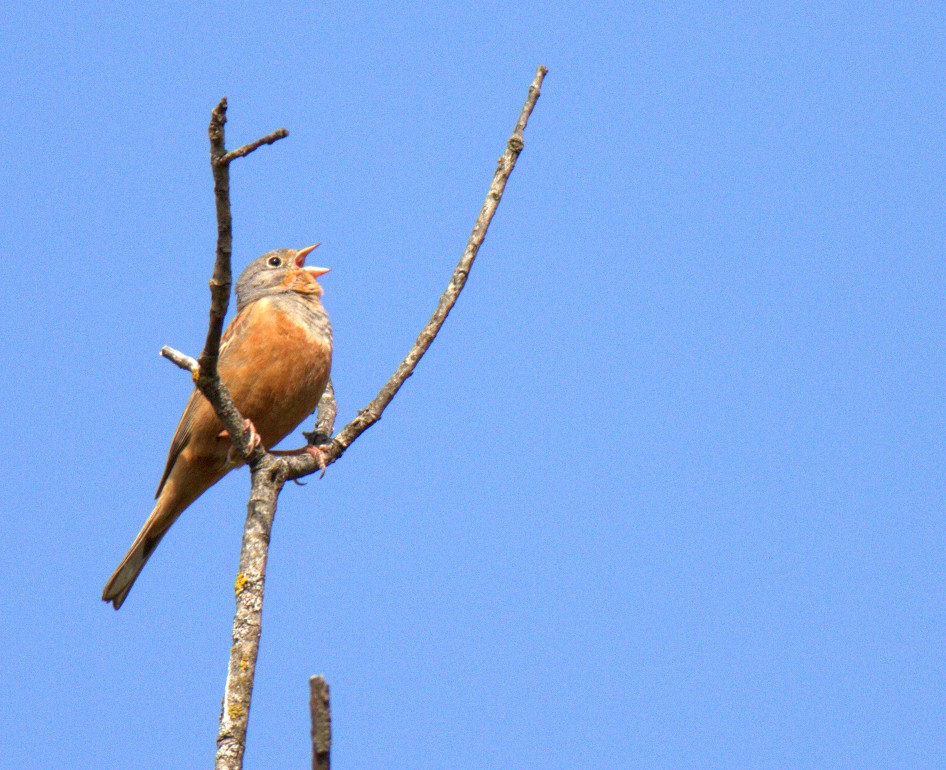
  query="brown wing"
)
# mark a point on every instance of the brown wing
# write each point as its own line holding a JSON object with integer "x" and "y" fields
{"x": 183, "y": 433}
{"x": 181, "y": 437}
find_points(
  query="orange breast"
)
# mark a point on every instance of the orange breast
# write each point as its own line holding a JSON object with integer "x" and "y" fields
{"x": 276, "y": 370}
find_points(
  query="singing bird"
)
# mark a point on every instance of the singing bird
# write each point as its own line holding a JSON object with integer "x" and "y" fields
{"x": 275, "y": 359}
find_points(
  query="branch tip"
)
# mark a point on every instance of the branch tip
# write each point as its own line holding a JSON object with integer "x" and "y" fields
{"x": 246, "y": 149}
{"x": 180, "y": 359}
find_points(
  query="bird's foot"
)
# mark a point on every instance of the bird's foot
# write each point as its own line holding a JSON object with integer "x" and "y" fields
{"x": 254, "y": 441}
{"x": 318, "y": 452}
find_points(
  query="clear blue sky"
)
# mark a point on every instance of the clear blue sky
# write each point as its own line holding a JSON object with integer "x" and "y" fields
{"x": 668, "y": 490}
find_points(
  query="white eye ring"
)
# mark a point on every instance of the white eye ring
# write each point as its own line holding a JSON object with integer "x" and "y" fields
{"x": 275, "y": 262}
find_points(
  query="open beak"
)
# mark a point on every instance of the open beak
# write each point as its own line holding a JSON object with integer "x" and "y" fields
{"x": 299, "y": 260}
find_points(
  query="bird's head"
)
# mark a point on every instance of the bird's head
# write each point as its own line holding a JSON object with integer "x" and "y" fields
{"x": 278, "y": 272}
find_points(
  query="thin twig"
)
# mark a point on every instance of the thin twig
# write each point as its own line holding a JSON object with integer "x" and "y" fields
{"x": 305, "y": 464}
{"x": 207, "y": 379}
{"x": 321, "y": 710}
{"x": 324, "y": 418}
{"x": 221, "y": 279}
{"x": 181, "y": 359}
{"x": 246, "y": 149}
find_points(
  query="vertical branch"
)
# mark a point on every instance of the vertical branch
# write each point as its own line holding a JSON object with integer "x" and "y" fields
{"x": 321, "y": 712}
{"x": 325, "y": 417}
{"x": 250, "y": 581}
{"x": 268, "y": 475}
{"x": 206, "y": 378}
{"x": 222, "y": 278}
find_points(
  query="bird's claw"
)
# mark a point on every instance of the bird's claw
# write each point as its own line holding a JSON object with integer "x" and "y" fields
{"x": 318, "y": 452}
{"x": 319, "y": 455}
{"x": 254, "y": 441}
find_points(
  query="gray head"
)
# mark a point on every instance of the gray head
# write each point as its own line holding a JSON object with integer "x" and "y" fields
{"x": 278, "y": 272}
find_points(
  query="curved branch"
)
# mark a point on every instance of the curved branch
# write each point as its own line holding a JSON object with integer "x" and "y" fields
{"x": 304, "y": 464}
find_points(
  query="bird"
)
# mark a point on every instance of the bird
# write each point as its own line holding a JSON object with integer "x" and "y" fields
{"x": 275, "y": 359}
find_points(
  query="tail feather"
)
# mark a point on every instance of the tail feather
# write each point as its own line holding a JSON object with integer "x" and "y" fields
{"x": 157, "y": 524}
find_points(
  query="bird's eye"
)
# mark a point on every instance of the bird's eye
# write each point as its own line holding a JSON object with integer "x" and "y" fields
{"x": 275, "y": 261}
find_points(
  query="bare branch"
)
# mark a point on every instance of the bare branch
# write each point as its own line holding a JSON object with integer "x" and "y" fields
{"x": 207, "y": 380}
{"x": 324, "y": 418}
{"x": 246, "y": 149}
{"x": 304, "y": 464}
{"x": 248, "y": 587}
{"x": 180, "y": 359}
{"x": 269, "y": 472}
{"x": 221, "y": 279}
{"x": 321, "y": 710}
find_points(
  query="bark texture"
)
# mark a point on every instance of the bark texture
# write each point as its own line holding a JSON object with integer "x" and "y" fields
{"x": 321, "y": 712}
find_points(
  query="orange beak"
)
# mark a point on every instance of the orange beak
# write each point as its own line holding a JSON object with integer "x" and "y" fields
{"x": 299, "y": 259}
